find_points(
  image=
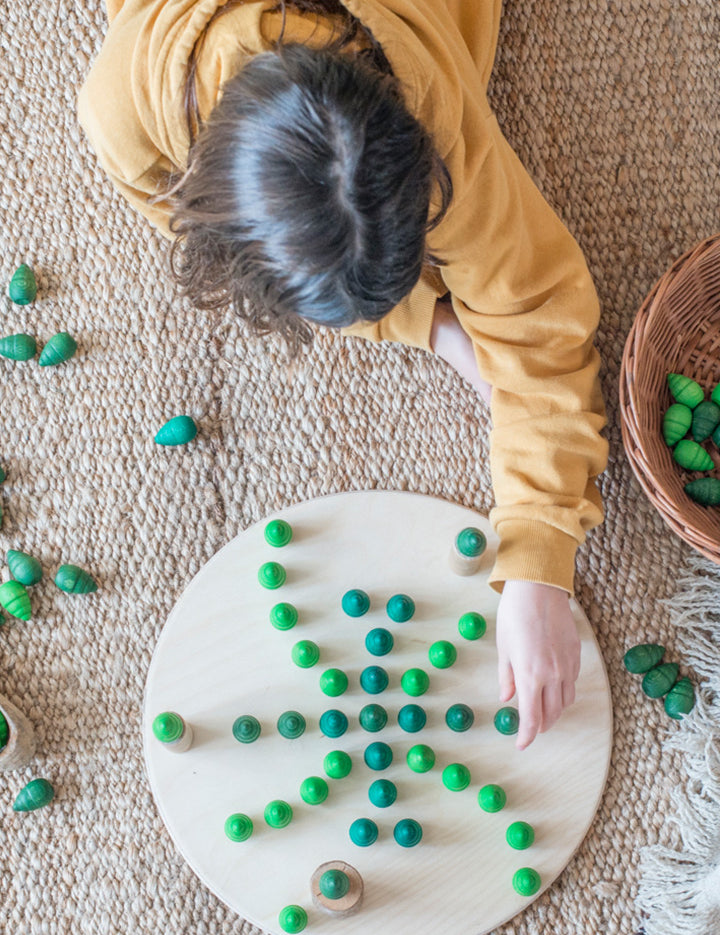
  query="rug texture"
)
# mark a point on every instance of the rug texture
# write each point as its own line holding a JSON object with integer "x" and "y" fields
{"x": 612, "y": 107}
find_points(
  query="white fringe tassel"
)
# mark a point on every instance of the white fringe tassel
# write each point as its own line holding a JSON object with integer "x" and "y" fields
{"x": 679, "y": 891}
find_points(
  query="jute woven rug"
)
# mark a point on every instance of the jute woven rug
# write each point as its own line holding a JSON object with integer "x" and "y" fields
{"x": 612, "y": 106}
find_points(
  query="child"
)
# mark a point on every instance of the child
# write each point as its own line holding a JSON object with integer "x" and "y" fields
{"x": 317, "y": 162}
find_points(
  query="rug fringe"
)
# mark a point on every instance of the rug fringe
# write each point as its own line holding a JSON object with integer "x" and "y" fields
{"x": 679, "y": 891}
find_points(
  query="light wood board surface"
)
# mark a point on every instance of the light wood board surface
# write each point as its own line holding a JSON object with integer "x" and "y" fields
{"x": 218, "y": 657}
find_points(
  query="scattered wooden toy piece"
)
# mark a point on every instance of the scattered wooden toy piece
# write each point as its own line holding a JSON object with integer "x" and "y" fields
{"x": 239, "y": 827}
{"x": 173, "y": 732}
{"x": 660, "y": 679}
{"x": 36, "y": 794}
{"x": 685, "y": 390}
{"x": 293, "y": 919}
{"x": 15, "y": 599}
{"x": 22, "y": 287}
{"x": 58, "y": 349}
{"x": 692, "y": 456}
{"x": 337, "y": 888}
{"x": 676, "y": 423}
{"x": 177, "y": 431}
{"x": 705, "y": 419}
{"x": 641, "y": 658}
{"x": 704, "y": 490}
{"x": 680, "y": 700}
{"x": 24, "y": 568}
{"x": 18, "y": 346}
{"x": 75, "y": 580}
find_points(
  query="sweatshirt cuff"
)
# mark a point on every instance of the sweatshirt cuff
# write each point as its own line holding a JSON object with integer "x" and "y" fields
{"x": 533, "y": 551}
{"x": 408, "y": 323}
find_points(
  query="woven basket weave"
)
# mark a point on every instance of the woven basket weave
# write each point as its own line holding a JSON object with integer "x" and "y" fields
{"x": 677, "y": 330}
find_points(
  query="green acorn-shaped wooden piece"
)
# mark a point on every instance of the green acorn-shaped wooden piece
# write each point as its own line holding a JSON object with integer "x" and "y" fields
{"x": 18, "y": 346}
{"x": 59, "y": 348}
{"x": 660, "y": 679}
{"x": 676, "y": 423}
{"x": 715, "y": 395}
{"x": 15, "y": 599}
{"x": 705, "y": 419}
{"x": 680, "y": 700}
{"x": 24, "y": 568}
{"x": 685, "y": 390}
{"x": 641, "y": 658}
{"x": 705, "y": 490}
{"x": 692, "y": 456}
{"x": 36, "y": 794}
{"x": 75, "y": 580}
{"x": 177, "y": 431}
{"x": 22, "y": 288}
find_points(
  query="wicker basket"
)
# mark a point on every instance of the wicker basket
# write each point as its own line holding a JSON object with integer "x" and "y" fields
{"x": 677, "y": 330}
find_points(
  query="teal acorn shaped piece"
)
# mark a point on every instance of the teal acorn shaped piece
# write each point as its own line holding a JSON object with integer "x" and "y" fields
{"x": 177, "y": 431}
{"x": 15, "y": 599}
{"x": 22, "y": 288}
{"x": 685, "y": 390}
{"x": 715, "y": 395}
{"x": 24, "y": 568}
{"x": 58, "y": 349}
{"x": 705, "y": 419}
{"x": 641, "y": 658}
{"x": 18, "y": 346}
{"x": 75, "y": 580}
{"x": 692, "y": 456}
{"x": 704, "y": 490}
{"x": 676, "y": 423}
{"x": 660, "y": 679}
{"x": 36, "y": 794}
{"x": 680, "y": 700}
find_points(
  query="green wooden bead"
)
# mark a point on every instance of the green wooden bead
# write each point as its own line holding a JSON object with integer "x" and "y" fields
{"x": 15, "y": 599}
{"x": 472, "y": 626}
{"x": 24, "y": 568}
{"x": 382, "y": 793}
{"x": 293, "y": 919}
{"x": 278, "y": 533}
{"x": 177, "y": 431}
{"x": 415, "y": 682}
{"x": 492, "y": 798}
{"x": 337, "y": 764}
{"x": 58, "y": 349}
{"x": 715, "y": 395}
{"x": 705, "y": 419}
{"x": 333, "y": 682}
{"x": 238, "y": 827}
{"x": 305, "y": 654}
{"x": 355, "y": 603}
{"x": 22, "y": 288}
{"x": 291, "y": 725}
{"x": 363, "y": 832}
{"x": 374, "y": 680}
{"x": 407, "y": 832}
{"x": 507, "y": 720}
{"x": 18, "y": 346}
{"x": 36, "y": 794}
{"x": 685, "y": 390}
{"x": 314, "y": 790}
{"x": 520, "y": 835}
{"x": 643, "y": 657}
{"x": 283, "y": 616}
{"x": 692, "y": 456}
{"x": 526, "y": 881}
{"x": 168, "y": 727}
{"x": 660, "y": 679}
{"x": 278, "y": 814}
{"x": 378, "y": 755}
{"x": 704, "y": 490}
{"x": 75, "y": 580}
{"x": 411, "y": 718}
{"x": 676, "y": 423}
{"x": 471, "y": 542}
{"x": 420, "y": 758}
{"x": 272, "y": 575}
{"x": 459, "y": 717}
{"x": 680, "y": 700}
{"x": 442, "y": 654}
{"x": 334, "y": 884}
{"x": 456, "y": 777}
{"x": 333, "y": 723}
{"x": 373, "y": 717}
{"x": 379, "y": 641}
{"x": 246, "y": 728}
{"x": 400, "y": 608}
{"x": 4, "y": 731}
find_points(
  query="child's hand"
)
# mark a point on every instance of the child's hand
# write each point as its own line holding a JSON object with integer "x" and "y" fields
{"x": 538, "y": 654}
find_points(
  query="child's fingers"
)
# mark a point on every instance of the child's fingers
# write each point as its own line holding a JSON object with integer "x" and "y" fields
{"x": 568, "y": 693}
{"x": 506, "y": 679}
{"x": 552, "y": 705}
{"x": 530, "y": 711}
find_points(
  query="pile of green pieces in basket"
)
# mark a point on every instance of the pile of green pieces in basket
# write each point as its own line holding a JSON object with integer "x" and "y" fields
{"x": 661, "y": 678}
{"x": 692, "y": 413}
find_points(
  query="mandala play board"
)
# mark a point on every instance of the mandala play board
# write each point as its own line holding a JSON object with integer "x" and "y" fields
{"x": 439, "y": 861}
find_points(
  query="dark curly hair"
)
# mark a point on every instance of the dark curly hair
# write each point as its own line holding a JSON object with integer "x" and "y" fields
{"x": 307, "y": 194}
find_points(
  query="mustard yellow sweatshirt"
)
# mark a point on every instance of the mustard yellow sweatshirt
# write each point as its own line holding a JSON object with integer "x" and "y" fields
{"x": 519, "y": 283}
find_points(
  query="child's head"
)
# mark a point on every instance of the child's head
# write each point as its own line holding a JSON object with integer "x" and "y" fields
{"x": 307, "y": 195}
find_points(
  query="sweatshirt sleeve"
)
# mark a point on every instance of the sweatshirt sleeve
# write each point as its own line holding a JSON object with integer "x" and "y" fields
{"x": 521, "y": 290}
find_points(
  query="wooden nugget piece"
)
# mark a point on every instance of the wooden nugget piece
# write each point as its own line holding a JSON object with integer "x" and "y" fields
{"x": 24, "y": 568}
{"x": 704, "y": 490}
{"x": 75, "y": 580}
{"x": 676, "y": 423}
{"x": 685, "y": 390}
{"x": 15, "y": 599}
{"x": 22, "y": 288}
{"x": 36, "y": 794}
{"x": 680, "y": 700}
{"x": 660, "y": 679}
{"x": 641, "y": 658}
{"x": 18, "y": 346}
{"x": 58, "y": 349}
{"x": 705, "y": 419}
{"x": 692, "y": 456}
{"x": 177, "y": 431}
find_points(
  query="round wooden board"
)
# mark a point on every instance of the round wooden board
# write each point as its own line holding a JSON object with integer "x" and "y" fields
{"x": 218, "y": 657}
